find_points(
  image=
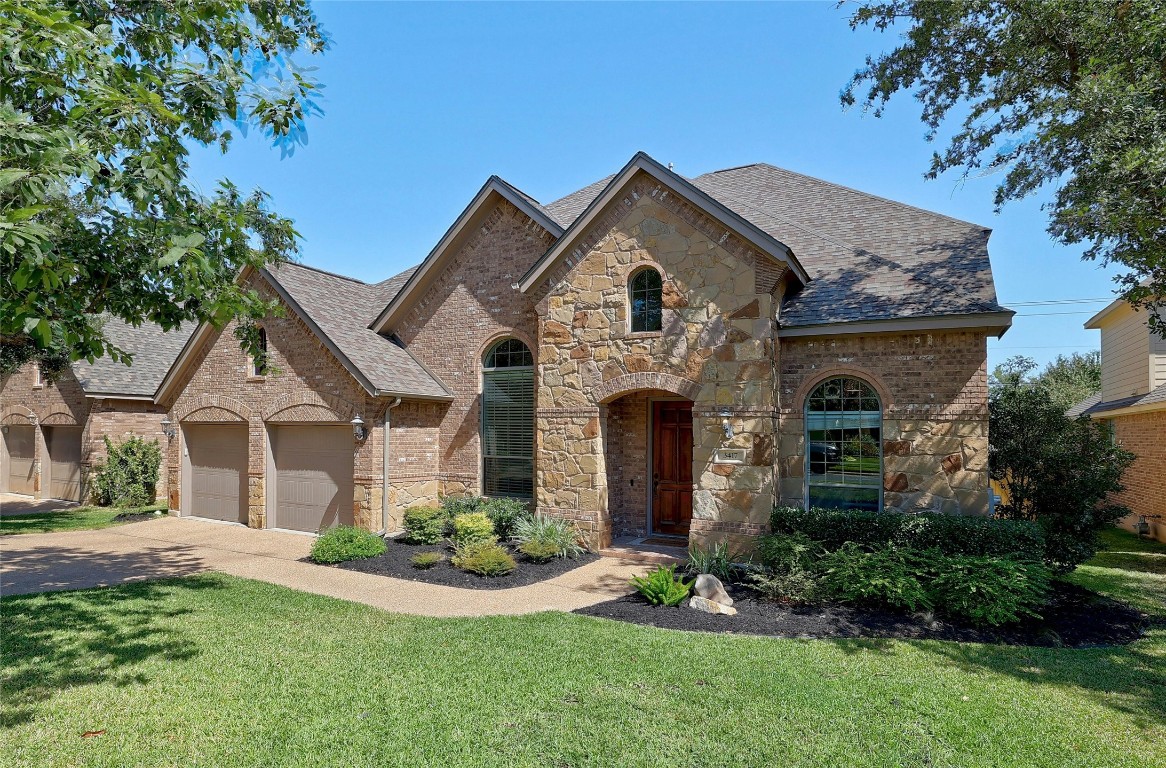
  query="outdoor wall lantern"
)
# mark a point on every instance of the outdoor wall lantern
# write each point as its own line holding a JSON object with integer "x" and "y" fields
{"x": 726, "y": 424}
{"x": 1143, "y": 526}
{"x": 358, "y": 428}
{"x": 168, "y": 428}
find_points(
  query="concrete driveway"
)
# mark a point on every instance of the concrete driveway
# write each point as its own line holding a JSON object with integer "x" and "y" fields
{"x": 15, "y": 504}
{"x": 172, "y": 546}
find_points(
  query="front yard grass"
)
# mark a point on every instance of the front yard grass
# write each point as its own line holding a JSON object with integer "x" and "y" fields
{"x": 214, "y": 670}
{"x": 68, "y": 519}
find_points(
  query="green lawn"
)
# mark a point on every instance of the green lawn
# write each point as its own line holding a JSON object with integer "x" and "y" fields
{"x": 218, "y": 671}
{"x": 67, "y": 519}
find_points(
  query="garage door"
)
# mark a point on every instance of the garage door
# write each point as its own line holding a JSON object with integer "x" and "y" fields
{"x": 20, "y": 442}
{"x": 64, "y": 444}
{"x": 218, "y": 471}
{"x": 313, "y": 467}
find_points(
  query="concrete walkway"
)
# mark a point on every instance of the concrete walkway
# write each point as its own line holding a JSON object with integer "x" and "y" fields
{"x": 172, "y": 546}
{"x": 16, "y": 504}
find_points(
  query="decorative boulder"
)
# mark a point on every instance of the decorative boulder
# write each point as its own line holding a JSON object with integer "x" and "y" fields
{"x": 698, "y": 603}
{"x": 710, "y": 588}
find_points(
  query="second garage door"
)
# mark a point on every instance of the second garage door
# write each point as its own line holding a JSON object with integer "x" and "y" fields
{"x": 313, "y": 467}
{"x": 20, "y": 442}
{"x": 218, "y": 471}
{"x": 64, "y": 444}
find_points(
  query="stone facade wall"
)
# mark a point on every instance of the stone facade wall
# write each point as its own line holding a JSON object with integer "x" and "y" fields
{"x": 934, "y": 393}
{"x": 466, "y": 308}
{"x": 1145, "y": 481}
{"x": 308, "y": 385}
{"x": 715, "y": 348}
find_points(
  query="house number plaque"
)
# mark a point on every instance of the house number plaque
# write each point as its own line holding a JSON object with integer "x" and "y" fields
{"x": 729, "y": 456}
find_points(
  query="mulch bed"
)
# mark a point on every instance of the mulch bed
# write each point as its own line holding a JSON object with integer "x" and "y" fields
{"x": 1076, "y": 618}
{"x": 134, "y": 517}
{"x": 395, "y": 562}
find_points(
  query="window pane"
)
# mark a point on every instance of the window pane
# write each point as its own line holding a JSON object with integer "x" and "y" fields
{"x": 508, "y": 432}
{"x": 647, "y": 301}
{"x": 843, "y": 445}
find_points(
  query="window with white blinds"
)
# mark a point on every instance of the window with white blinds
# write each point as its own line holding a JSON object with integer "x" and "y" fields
{"x": 508, "y": 421}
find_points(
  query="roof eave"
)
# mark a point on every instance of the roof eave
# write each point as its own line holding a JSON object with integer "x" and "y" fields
{"x": 1094, "y": 322}
{"x": 643, "y": 162}
{"x": 997, "y": 323}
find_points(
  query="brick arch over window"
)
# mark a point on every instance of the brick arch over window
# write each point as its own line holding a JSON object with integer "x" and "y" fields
{"x": 221, "y": 404}
{"x": 833, "y": 372}
{"x": 309, "y": 406}
{"x": 60, "y": 418}
{"x": 17, "y": 414}
{"x": 631, "y": 382}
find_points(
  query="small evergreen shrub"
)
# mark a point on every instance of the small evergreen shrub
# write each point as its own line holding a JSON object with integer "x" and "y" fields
{"x": 562, "y": 534}
{"x": 344, "y": 542}
{"x": 715, "y": 560}
{"x": 472, "y": 528}
{"x": 485, "y": 558}
{"x": 882, "y": 577}
{"x": 987, "y": 590}
{"x": 794, "y": 587}
{"x": 129, "y": 475}
{"x": 661, "y": 586}
{"x": 785, "y": 553}
{"x": 425, "y": 525}
{"x": 426, "y": 560}
{"x": 504, "y": 513}
{"x": 461, "y": 505}
{"x": 539, "y": 551}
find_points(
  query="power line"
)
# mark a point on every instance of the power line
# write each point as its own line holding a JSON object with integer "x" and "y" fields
{"x": 1047, "y": 314}
{"x": 1048, "y": 302}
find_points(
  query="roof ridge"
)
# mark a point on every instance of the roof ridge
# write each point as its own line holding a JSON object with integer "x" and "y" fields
{"x": 836, "y": 185}
{"x": 323, "y": 271}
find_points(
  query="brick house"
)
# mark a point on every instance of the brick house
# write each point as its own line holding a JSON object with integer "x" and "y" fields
{"x": 53, "y": 432}
{"x": 649, "y": 356}
{"x": 1132, "y": 401}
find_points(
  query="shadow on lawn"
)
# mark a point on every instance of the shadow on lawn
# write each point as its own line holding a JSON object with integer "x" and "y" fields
{"x": 53, "y": 568}
{"x": 42, "y": 522}
{"x": 61, "y": 640}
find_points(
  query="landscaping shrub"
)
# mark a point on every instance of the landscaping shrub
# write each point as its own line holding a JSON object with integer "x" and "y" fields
{"x": 426, "y": 560}
{"x": 539, "y": 551}
{"x": 555, "y": 531}
{"x": 786, "y": 553}
{"x": 472, "y": 528}
{"x": 882, "y": 577}
{"x": 950, "y": 534}
{"x": 336, "y": 545}
{"x": 425, "y": 525}
{"x": 485, "y": 558}
{"x": 504, "y": 513}
{"x": 988, "y": 590}
{"x": 795, "y": 587}
{"x": 715, "y": 560}
{"x": 661, "y": 586}
{"x": 461, "y": 505}
{"x": 129, "y": 475}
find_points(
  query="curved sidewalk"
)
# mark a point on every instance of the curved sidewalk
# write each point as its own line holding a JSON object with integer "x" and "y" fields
{"x": 172, "y": 546}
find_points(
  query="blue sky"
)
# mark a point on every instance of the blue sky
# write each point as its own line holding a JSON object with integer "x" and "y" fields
{"x": 423, "y": 102}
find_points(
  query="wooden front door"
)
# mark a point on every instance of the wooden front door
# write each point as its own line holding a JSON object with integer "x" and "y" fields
{"x": 671, "y": 467}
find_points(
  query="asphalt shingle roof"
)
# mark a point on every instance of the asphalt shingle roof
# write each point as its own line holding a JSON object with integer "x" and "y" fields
{"x": 343, "y": 308}
{"x": 153, "y": 351}
{"x": 1080, "y": 408}
{"x": 1092, "y": 406}
{"x": 566, "y": 209}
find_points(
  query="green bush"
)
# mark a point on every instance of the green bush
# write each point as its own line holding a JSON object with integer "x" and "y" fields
{"x": 661, "y": 586}
{"x": 988, "y": 590}
{"x": 336, "y": 545}
{"x": 129, "y": 475}
{"x": 472, "y": 528}
{"x": 539, "y": 551}
{"x": 716, "y": 560}
{"x": 461, "y": 505}
{"x": 883, "y": 577}
{"x": 485, "y": 558}
{"x": 426, "y": 560}
{"x": 504, "y": 513}
{"x": 795, "y": 587}
{"x": 553, "y": 531}
{"x": 785, "y": 553}
{"x": 950, "y": 534}
{"x": 425, "y": 525}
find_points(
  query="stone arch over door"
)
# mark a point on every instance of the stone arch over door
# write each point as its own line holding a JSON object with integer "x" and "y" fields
{"x": 612, "y": 390}
{"x": 210, "y": 408}
{"x": 60, "y": 418}
{"x": 309, "y": 406}
{"x": 17, "y": 414}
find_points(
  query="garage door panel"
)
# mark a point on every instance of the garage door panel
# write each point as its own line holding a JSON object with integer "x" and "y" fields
{"x": 20, "y": 443}
{"x": 64, "y": 445}
{"x": 218, "y": 471}
{"x": 313, "y": 476}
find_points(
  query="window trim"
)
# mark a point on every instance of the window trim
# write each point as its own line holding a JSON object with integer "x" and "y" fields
{"x": 38, "y": 381}
{"x": 879, "y": 398}
{"x": 635, "y": 275}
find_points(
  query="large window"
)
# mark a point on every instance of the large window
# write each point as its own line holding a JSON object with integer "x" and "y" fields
{"x": 508, "y": 421}
{"x": 646, "y": 291}
{"x": 844, "y": 457}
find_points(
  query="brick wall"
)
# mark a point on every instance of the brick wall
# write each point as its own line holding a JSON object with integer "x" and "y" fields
{"x": 1145, "y": 435}
{"x": 627, "y": 463}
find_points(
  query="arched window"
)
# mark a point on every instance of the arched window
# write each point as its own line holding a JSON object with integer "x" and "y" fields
{"x": 508, "y": 420}
{"x": 844, "y": 447}
{"x": 646, "y": 291}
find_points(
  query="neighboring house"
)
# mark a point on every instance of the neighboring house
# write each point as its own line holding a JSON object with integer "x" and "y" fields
{"x": 53, "y": 433}
{"x": 649, "y": 356}
{"x": 1132, "y": 401}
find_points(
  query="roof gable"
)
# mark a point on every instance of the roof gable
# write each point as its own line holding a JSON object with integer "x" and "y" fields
{"x": 153, "y": 350}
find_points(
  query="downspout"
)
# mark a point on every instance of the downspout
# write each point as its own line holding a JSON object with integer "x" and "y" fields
{"x": 388, "y": 422}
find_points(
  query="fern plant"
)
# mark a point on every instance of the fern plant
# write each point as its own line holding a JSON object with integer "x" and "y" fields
{"x": 661, "y": 586}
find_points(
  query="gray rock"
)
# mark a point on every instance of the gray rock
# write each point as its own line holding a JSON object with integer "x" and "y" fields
{"x": 698, "y": 603}
{"x": 711, "y": 588}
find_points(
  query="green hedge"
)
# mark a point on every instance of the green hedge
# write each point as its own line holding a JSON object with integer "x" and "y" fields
{"x": 952, "y": 535}
{"x": 344, "y": 542}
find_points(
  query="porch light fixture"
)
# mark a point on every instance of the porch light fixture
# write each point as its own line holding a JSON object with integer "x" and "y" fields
{"x": 358, "y": 428}
{"x": 168, "y": 428}
{"x": 726, "y": 424}
{"x": 1143, "y": 526}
